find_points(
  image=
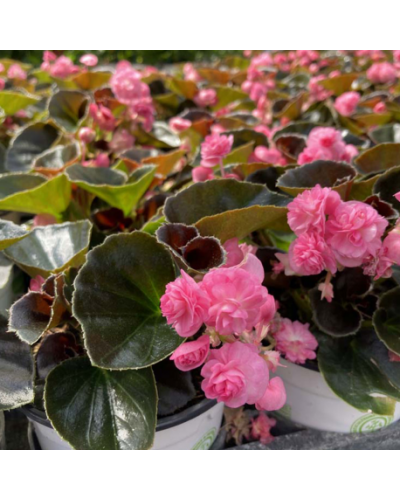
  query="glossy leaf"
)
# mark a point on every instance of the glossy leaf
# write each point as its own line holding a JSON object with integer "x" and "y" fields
{"x": 94, "y": 409}
{"x": 12, "y": 102}
{"x": 68, "y": 108}
{"x": 10, "y": 233}
{"x": 91, "y": 80}
{"x": 161, "y": 137}
{"x": 33, "y": 194}
{"x": 335, "y": 318}
{"x": 387, "y": 133}
{"x": 31, "y": 142}
{"x": 109, "y": 185}
{"x": 387, "y": 185}
{"x": 52, "y": 249}
{"x": 227, "y": 208}
{"x": 353, "y": 378}
{"x": 117, "y": 301}
{"x": 339, "y": 84}
{"x": 165, "y": 163}
{"x": 378, "y": 158}
{"x": 228, "y": 95}
{"x": 16, "y": 370}
{"x": 243, "y": 136}
{"x": 54, "y": 160}
{"x": 387, "y": 320}
{"x": 332, "y": 174}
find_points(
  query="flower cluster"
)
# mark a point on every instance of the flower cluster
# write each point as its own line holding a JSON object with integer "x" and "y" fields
{"x": 333, "y": 234}
{"x": 326, "y": 143}
{"x": 237, "y": 311}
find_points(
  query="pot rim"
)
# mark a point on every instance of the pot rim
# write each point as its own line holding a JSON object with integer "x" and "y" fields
{"x": 39, "y": 416}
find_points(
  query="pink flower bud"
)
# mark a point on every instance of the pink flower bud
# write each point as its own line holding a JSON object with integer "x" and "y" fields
{"x": 191, "y": 355}
{"x": 86, "y": 135}
{"x": 89, "y": 60}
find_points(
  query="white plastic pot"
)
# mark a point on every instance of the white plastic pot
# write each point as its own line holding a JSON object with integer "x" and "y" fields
{"x": 311, "y": 403}
{"x": 194, "y": 429}
{"x": 6, "y": 277}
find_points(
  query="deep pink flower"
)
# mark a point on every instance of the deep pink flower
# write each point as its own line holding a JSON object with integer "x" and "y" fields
{"x": 143, "y": 112}
{"x": 201, "y": 174}
{"x": 185, "y": 305}
{"x": 388, "y": 255}
{"x": 15, "y": 71}
{"x": 397, "y": 196}
{"x": 393, "y": 357}
{"x": 243, "y": 257}
{"x": 206, "y": 97}
{"x": 318, "y": 92}
{"x": 347, "y": 103}
{"x": 86, "y": 135}
{"x": 261, "y": 428}
{"x": 63, "y": 67}
{"x": 89, "y": 60}
{"x": 2, "y": 83}
{"x": 354, "y": 231}
{"x": 121, "y": 141}
{"x": 396, "y": 55}
{"x": 310, "y": 208}
{"x": 235, "y": 375}
{"x": 380, "y": 107}
{"x": 263, "y": 154}
{"x": 295, "y": 341}
{"x": 274, "y": 397}
{"x": 191, "y": 355}
{"x": 102, "y": 160}
{"x": 36, "y": 283}
{"x": 214, "y": 149}
{"x": 178, "y": 124}
{"x": 326, "y": 143}
{"x": 309, "y": 255}
{"x": 236, "y": 298}
{"x": 381, "y": 73}
{"x": 102, "y": 116}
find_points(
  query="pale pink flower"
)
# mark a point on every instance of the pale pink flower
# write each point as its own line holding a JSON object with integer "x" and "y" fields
{"x": 217, "y": 128}
{"x": 381, "y": 73}
{"x": 354, "y": 231}
{"x": 49, "y": 56}
{"x": 89, "y": 60}
{"x": 236, "y": 298}
{"x": 206, "y": 97}
{"x": 326, "y": 143}
{"x": 143, "y": 112}
{"x": 261, "y": 428}
{"x": 128, "y": 87}
{"x": 396, "y": 55}
{"x": 295, "y": 341}
{"x": 185, "y": 305}
{"x": 327, "y": 292}
{"x": 36, "y": 283}
{"x": 2, "y": 68}
{"x": 214, "y": 149}
{"x": 397, "y": 196}
{"x": 201, "y": 174}
{"x": 102, "y": 116}
{"x": 15, "y": 71}
{"x": 309, "y": 255}
{"x": 121, "y": 141}
{"x": 178, "y": 124}
{"x": 235, "y": 375}
{"x": 63, "y": 67}
{"x": 347, "y": 103}
{"x": 102, "y": 160}
{"x": 274, "y": 398}
{"x": 191, "y": 355}
{"x": 243, "y": 257}
{"x": 310, "y": 208}
{"x": 388, "y": 255}
{"x": 190, "y": 73}
{"x": 263, "y": 154}
{"x": 2, "y": 83}
{"x": 318, "y": 92}
{"x": 44, "y": 220}
{"x": 263, "y": 129}
{"x": 272, "y": 358}
{"x": 86, "y": 135}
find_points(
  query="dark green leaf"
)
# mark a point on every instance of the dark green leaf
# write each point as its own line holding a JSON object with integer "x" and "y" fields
{"x": 117, "y": 301}
{"x": 379, "y": 158}
{"x": 68, "y": 108}
{"x": 332, "y": 174}
{"x": 31, "y": 142}
{"x": 16, "y": 370}
{"x": 94, "y": 409}
{"x": 387, "y": 185}
{"x": 354, "y": 379}
{"x": 57, "y": 158}
{"x": 387, "y": 320}
{"x": 387, "y": 133}
{"x": 243, "y": 136}
{"x": 52, "y": 249}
